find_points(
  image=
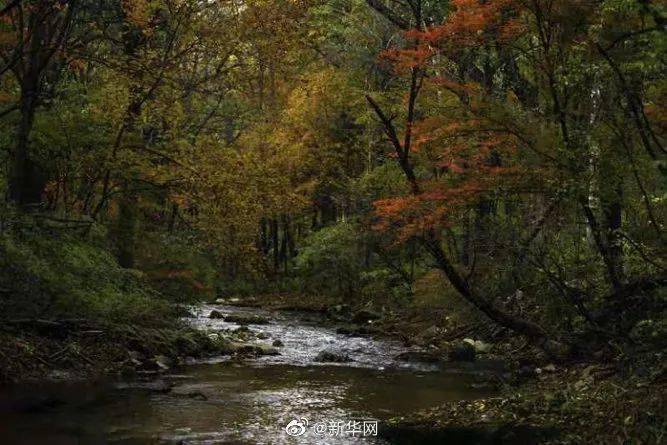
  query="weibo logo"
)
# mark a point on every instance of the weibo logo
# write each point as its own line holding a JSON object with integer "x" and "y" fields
{"x": 296, "y": 427}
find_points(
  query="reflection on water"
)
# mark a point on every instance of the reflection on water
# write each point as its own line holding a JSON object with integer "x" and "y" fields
{"x": 304, "y": 336}
{"x": 247, "y": 402}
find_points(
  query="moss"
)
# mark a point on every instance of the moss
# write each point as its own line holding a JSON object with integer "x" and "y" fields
{"x": 101, "y": 310}
{"x": 68, "y": 276}
{"x": 27, "y": 353}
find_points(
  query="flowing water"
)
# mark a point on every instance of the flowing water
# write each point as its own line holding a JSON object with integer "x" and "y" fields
{"x": 243, "y": 401}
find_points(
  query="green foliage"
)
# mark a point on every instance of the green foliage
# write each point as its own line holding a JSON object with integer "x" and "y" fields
{"x": 65, "y": 276}
{"x": 235, "y": 151}
{"x": 651, "y": 331}
{"x": 383, "y": 286}
{"x": 177, "y": 265}
{"x": 341, "y": 261}
{"x": 379, "y": 183}
{"x": 330, "y": 260}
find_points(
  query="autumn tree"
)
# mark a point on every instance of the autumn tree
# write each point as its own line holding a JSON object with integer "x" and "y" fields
{"x": 34, "y": 36}
{"x": 507, "y": 124}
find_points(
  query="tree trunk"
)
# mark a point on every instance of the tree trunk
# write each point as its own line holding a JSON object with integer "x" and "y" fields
{"x": 47, "y": 31}
{"x": 263, "y": 237}
{"x": 530, "y": 330}
{"x": 126, "y": 226}
{"x": 276, "y": 247}
{"x": 283, "y": 245}
{"x": 26, "y": 183}
{"x": 613, "y": 213}
{"x": 533, "y": 332}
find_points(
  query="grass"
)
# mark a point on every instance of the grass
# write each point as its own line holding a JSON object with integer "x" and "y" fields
{"x": 97, "y": 313}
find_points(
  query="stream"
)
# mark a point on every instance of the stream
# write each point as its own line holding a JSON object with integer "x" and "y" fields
{"x": 247, "y": 401}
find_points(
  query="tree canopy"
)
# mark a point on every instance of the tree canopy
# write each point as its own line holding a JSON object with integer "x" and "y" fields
{"x": 516, "y": 146}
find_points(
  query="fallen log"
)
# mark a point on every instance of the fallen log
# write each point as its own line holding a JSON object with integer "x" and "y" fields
{"x": 51, "y": 326}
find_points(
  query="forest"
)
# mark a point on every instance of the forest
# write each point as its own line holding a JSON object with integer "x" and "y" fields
{"x": 468, "y": 192}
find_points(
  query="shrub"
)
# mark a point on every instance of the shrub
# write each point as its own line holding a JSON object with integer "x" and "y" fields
{"x": 54, "y": 275}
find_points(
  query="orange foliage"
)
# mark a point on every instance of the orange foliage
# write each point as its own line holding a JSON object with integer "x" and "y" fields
{"x": 466, "y": 155}
{"x": 469, "y": 25}
{"x": 471, "y": 22}
{"x": 442, "y": 203}
{"x": 435, "y": 207}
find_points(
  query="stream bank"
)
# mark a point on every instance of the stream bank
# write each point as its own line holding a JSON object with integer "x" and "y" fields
{"x": 243, "y": 397}
{"x": 611, "y": 396}
{"x": 248, "y": 372}
{"x": 63, "y": 350}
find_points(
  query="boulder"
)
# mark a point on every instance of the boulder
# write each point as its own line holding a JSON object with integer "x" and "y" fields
{"x": 151, "y": 386}
{"x": 61, "y": 375}
{"x": 278, "y": 343}
{"x": 246, "y": 319}
{"x": 430, "y": 333}
{"x": 244, "y": 348}
{"x": 357, "y": 331}
{"x": 255, "y": 349}
{"x": 154, "y": 364}
{"x": 136, "y": 358}
{"x": 215, "y": 314}
{"x": 268, "y": 350}
{"x": 365, "y": 316}
{"x": 224, "y": 347}
{"x": 242, "y": 334}
{"x": 344, "y": 330}
{"x": 418, "y": 356}
{"x": 339, "y": 312}
{"x": 427, "y": 337}
{"x": 186, "y": 313}
{"x": 197, "y": 395}
{"x": 162, "y": 362}
{"x": 461, "y": 352}
{"x": 332, "y": 357}
{"x": 526, "y": 372}
{"x": 479, "y": 345}
{"x": 549, "y": 368}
